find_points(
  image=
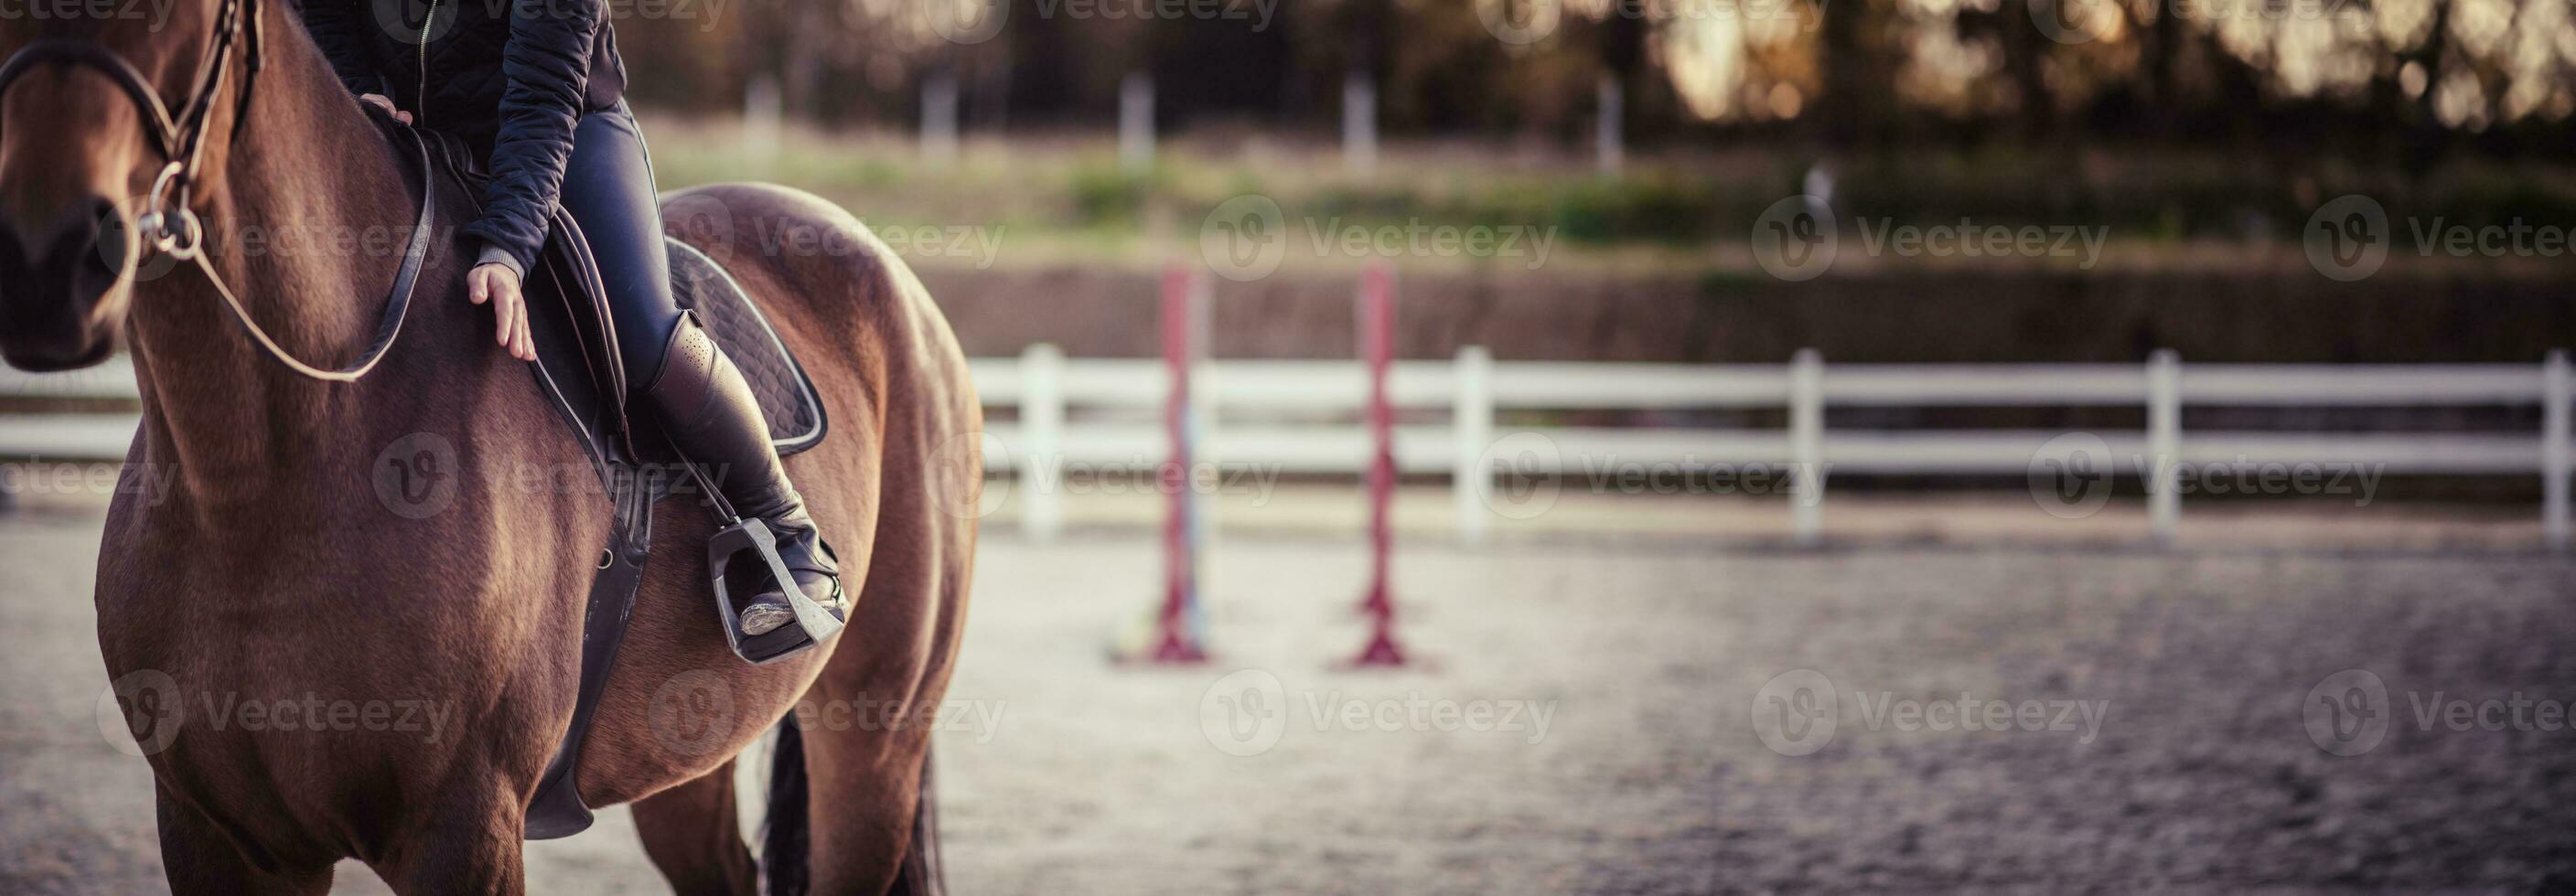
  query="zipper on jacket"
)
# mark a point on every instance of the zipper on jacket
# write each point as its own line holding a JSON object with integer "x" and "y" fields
{"x": 420, "y": 99}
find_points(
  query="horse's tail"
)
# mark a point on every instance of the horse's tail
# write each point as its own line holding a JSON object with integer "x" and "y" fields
{"x": 920, "y": 875}
{"x": 783, "y": 835}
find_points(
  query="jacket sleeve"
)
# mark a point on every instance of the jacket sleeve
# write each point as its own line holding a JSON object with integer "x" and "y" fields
{"x": 546, "y": 64}
{"x": 334, "y": 25}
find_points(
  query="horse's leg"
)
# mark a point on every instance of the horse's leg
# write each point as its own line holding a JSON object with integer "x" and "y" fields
{"x": 693, "y": 835}
{"x": 198, "y": 858}
{"x": 862, "y": 813}
{"x": 867, "y": 779}
{"x": 469, "y": 844}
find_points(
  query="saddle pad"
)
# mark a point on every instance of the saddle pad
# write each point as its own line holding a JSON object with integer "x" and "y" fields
{"x": 786, "y": 396}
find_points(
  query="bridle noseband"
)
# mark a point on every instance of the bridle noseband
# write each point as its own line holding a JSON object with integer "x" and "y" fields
{"x": 168, "y": 225}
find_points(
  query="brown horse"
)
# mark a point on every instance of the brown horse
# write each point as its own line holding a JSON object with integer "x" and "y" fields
{"x": 322, "y": 669}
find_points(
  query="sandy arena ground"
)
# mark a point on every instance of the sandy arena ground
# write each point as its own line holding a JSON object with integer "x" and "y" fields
{"x": 1610, "y": 715}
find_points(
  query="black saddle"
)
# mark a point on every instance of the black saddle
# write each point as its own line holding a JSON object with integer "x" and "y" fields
{"x": 579, "y": 365}
{"x": 579, "y": 369}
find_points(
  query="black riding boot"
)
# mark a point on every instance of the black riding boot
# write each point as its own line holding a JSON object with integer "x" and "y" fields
{"x": 716, "y": 422}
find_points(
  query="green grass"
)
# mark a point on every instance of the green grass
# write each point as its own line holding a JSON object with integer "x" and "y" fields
{"x": 1068, "y": 197}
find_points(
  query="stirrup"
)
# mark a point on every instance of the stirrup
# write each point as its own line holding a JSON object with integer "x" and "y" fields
{"x": 814, "y": 624}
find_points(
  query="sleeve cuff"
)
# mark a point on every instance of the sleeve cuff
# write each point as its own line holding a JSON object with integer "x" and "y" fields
{"x": 496, "y": 255}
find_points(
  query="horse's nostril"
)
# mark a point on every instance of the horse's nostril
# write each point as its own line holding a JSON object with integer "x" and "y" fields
{"x": 98, "y": 269}
{"x": 14, "y": 255}
{"x": 113, "y": 235}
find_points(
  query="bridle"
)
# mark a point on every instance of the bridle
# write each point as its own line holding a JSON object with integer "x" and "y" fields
{"x": 168, "y": 225}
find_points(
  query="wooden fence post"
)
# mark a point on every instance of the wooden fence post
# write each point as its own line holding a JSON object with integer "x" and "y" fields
{"x": 2164, "y": 445}
{"x": 1041, "y": 462}
{"x": 1807, "y": 445}
{"x": 1472, "y": 416}
{"x": 2554, "y": 412}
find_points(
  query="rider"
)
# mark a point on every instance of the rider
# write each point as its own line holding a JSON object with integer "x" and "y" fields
{"x": 536, "y": 88}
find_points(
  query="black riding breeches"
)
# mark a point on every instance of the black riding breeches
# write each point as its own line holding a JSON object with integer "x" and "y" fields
{"x": 608, "y": 189}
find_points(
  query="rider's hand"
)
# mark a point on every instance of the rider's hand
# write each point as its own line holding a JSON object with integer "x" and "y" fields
{"x": 499, "y": 285}
{"x": 379, "y": 100}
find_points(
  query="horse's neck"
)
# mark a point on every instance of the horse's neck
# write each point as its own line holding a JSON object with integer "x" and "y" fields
{"x": 306, "y": 222}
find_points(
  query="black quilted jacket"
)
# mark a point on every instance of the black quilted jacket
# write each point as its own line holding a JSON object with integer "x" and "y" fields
{"x": 509, "y": 76}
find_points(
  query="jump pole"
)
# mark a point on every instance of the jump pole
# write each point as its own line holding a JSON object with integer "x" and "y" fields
{"x": 1376, "y": 315}
{"x": 1179, "y": 625}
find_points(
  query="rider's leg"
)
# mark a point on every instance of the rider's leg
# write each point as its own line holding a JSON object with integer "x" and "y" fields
{"x": 676, "y": 368}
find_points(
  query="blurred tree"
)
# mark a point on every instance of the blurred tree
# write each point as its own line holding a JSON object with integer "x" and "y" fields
{"x": 2417, "y": 78}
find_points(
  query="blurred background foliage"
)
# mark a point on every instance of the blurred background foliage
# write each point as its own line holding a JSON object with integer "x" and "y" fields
{"x": 2404, "y": 81}
{"x": 2164, "y": 119}
{"x": 2200, "y": 134}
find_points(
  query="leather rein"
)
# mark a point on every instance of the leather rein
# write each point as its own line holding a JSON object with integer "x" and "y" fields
{"x": 168, "y": 226}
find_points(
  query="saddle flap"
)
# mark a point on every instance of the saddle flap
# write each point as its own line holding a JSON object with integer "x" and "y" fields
{"x": 787, "y": 396}
{"x": 581, "y": 374}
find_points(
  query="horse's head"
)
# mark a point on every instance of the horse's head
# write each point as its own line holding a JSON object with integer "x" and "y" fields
{"x": 79, "y": 151}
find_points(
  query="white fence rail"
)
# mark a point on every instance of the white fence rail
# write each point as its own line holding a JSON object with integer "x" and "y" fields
{"x": 1301, "y": 417}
